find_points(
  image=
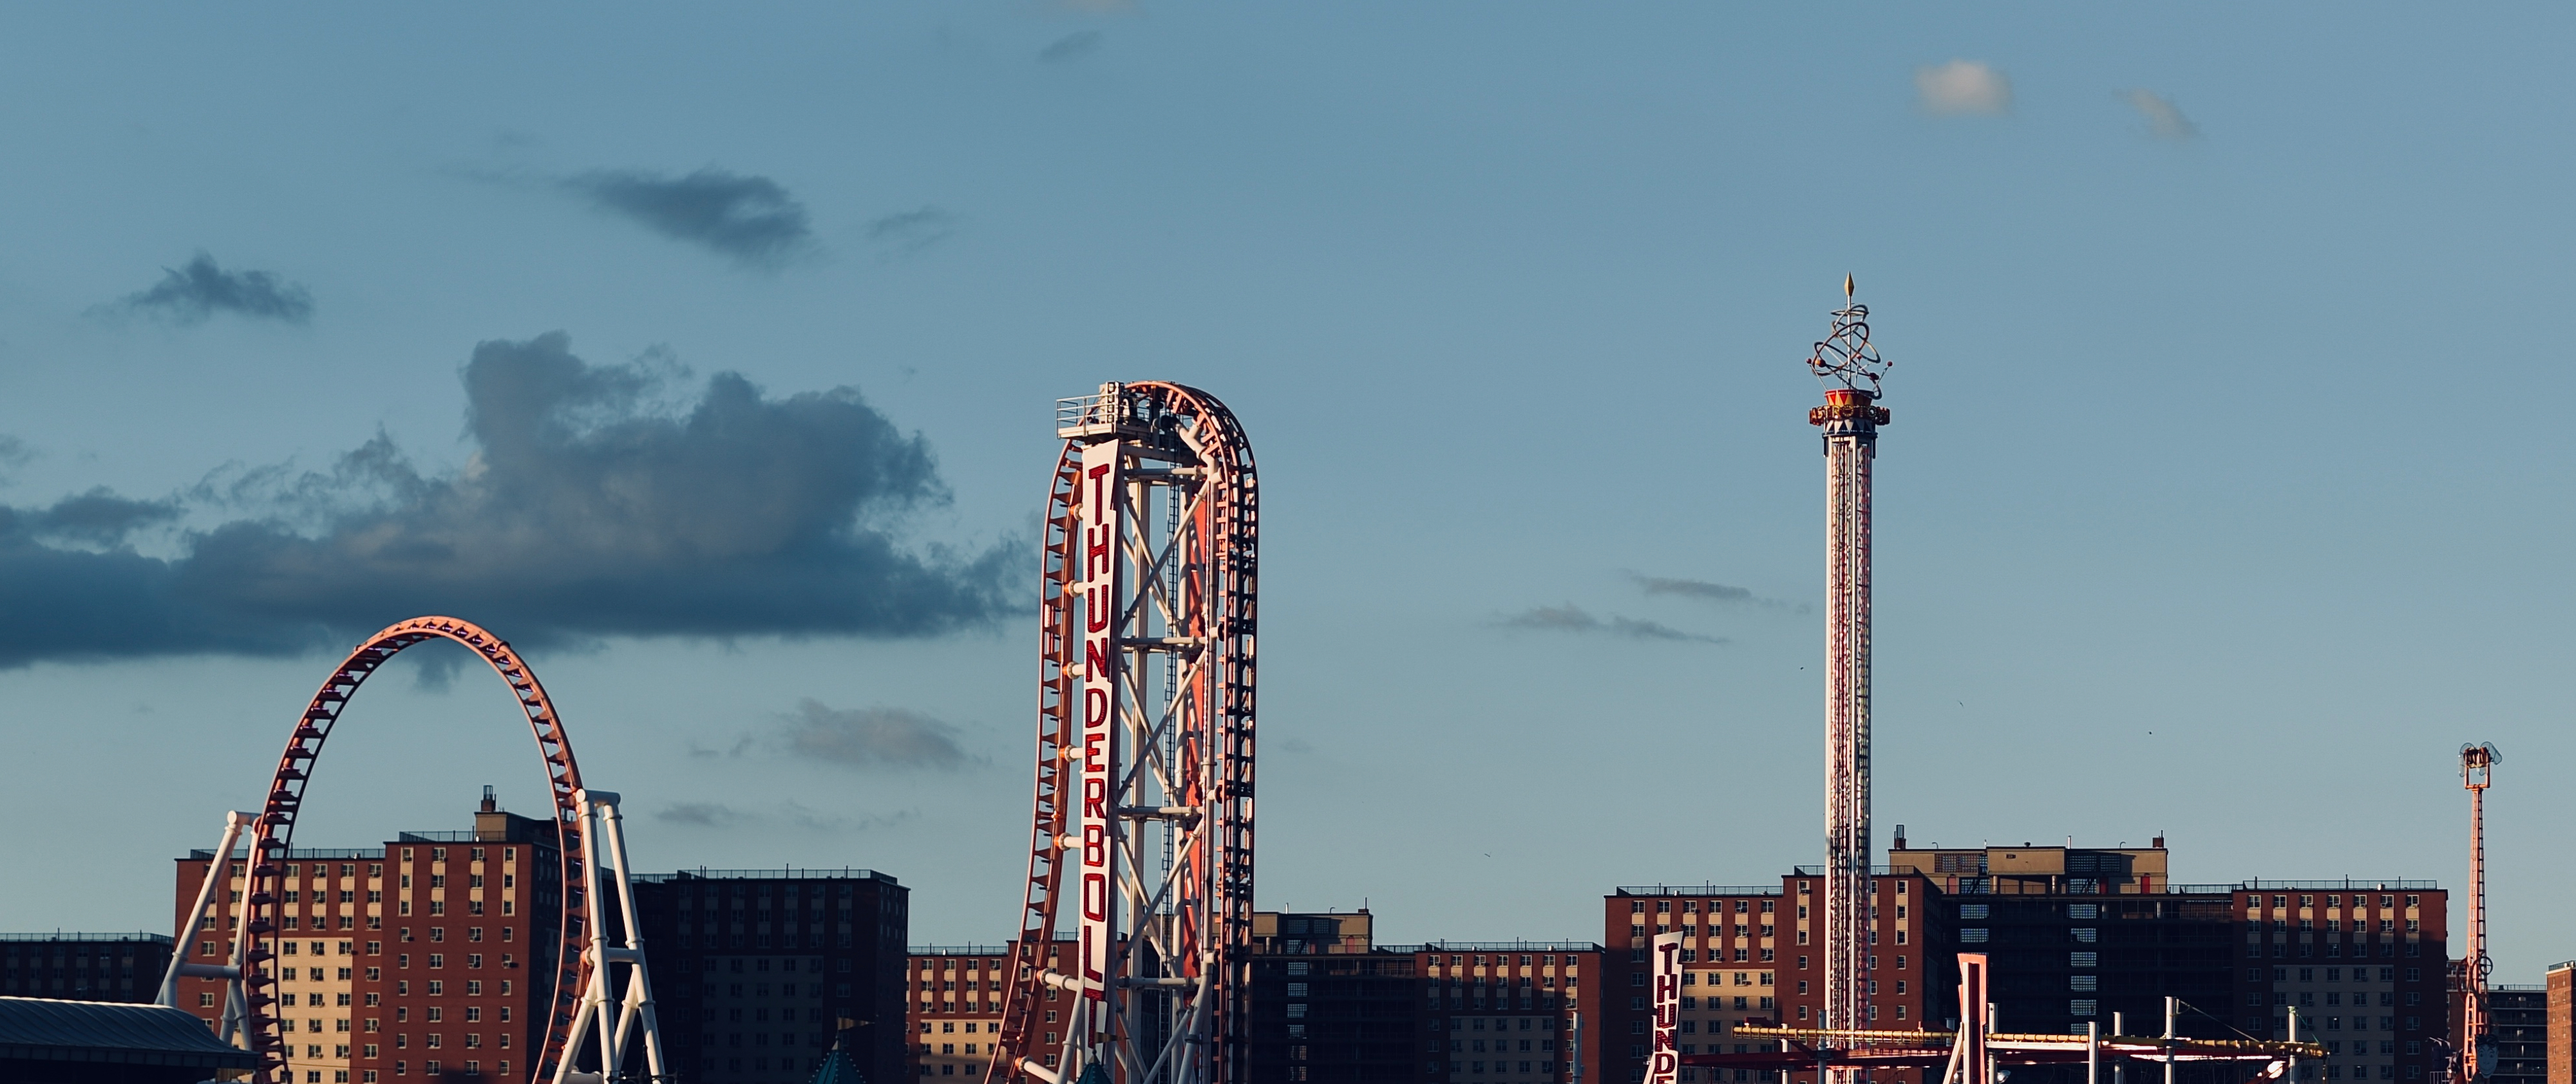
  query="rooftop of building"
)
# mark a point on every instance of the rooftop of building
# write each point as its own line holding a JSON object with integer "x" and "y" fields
{"x": 93, "y": 1032}
{"x": 1699, "y": 890}
{"x": 792, "y": 873}
{"x": 59, "y": 935}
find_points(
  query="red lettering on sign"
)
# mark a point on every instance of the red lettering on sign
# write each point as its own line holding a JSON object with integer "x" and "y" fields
{"x": 1096, "y": 658}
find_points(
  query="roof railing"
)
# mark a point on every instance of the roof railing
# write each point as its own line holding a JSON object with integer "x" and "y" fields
{"x": 958, "y": 950}
{"x": 1495, "y": 946}
{"x": 207, "y": 854}
{"x": 58, "y": 935}
{"x": 1699, "y": 890}
{"x": 793, "y": 873}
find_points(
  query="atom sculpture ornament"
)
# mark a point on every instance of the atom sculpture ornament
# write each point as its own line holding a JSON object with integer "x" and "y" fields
{"x": 1846, "y": 356}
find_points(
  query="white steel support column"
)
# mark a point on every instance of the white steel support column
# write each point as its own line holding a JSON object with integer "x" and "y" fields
{"x": 1850, "y": 420}
{"x": 218, "y": 874}
{"x": 619, "y": 1015}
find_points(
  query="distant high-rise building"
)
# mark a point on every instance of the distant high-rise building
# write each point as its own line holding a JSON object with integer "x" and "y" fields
{"x": 1328, "y": 1003}
{"x": 754, "y": 970}
{"x": 2083, "y": 935}
{"x": 1753, "y": 955}
{"x": 2561, "y": 995}
{"x": 434, "y": 955}
{"x": 423, "y": 956}
{"x": 83, "y": 966}
{"x": 1531, "y": 1010}
{"x": 2364, "y": 965}
{"x": 2518, "y": 1018}
{"x": 954, "y": 1007}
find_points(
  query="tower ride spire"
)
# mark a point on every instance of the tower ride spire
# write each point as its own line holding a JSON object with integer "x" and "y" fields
{"x": 1850, "y": 368}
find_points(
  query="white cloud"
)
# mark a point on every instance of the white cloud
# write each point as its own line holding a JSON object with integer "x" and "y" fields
{"x": 1963, "y": 87}
{"x": 2163, "y": 120}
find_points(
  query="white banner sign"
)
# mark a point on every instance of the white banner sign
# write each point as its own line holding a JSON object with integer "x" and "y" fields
{"x": 1663, "y": 1063}
{"x": 1101, "y": 488}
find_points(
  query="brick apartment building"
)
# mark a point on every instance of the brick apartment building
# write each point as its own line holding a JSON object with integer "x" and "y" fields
{"x": 1327, "y": 1004}
{"x": 954, "y": 1007}
{"x": 2560, "y": 992}
{"x": 83, "y": 966}
{"x": 1751, "y": 955}
{"x": 426, "y": 956}
{"x": 2363, "y": 963}
{"x": 433, "y": 956}
{"x": 2518, "y": 1018}
{"x": 755, "y": 971}
{"x": 2074, "y": 936}
{"x": 1539, "y": 1002}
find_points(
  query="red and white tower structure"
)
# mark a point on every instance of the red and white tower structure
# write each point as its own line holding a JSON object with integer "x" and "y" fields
{"x": 2477, "y": 1048}
{"x": 1850, "y": 369}
{"x": 1141, "y": 834}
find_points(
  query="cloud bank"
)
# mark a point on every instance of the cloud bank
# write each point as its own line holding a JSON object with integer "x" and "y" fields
{"x": 585, "y": 511}
{"x": 749, "y": 218}
{"x": 201, "y": 290}
{"x": 873, "y": 738}
{"x": 2163, "y": 120}
{"x": 1963, "y": 88}
{"x": 1573, "y": 619}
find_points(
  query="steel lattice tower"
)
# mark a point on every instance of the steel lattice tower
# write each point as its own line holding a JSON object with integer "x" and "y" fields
{"x": 1141, "y": 830}
{"x": 1850, "y": 368}
{"x": 2476, "y": 1058}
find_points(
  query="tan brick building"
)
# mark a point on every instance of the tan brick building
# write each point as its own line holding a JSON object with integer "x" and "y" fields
{"x": 431, "y": 956}
{"x": 955, "y": 1007}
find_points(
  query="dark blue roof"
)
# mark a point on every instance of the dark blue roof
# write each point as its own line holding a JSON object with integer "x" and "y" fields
{"x": 837, "y": 1068}
{"x": 40, "y": 1029}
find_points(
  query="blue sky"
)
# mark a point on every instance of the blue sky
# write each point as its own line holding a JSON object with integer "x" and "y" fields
{"x": 2221, "y": 499}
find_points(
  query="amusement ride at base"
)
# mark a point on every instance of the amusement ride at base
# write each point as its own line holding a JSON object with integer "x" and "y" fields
{"x": 603, "y": 997}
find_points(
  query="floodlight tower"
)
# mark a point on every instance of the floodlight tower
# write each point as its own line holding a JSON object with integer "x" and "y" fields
{"x": 1850, "y": 369}
{"x": 2477, "y": 1050}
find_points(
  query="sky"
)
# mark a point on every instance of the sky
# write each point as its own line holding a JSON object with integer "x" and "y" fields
{"x": 709, "y": 357}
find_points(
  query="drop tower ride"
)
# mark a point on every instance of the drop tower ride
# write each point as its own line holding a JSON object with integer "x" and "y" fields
{"x": 1850, "y": 369}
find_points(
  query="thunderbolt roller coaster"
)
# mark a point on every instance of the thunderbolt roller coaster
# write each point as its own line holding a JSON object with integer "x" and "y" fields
{"x": 591, "y": 1008}
{"x": 1142, "y": 820}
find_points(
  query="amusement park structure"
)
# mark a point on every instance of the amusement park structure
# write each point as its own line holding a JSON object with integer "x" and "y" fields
{"x": 601, "y": 999}
{"x": 1850, "y": 368}
{"x": 2476, "y": 1056}
{"x": 1141, "y": 827}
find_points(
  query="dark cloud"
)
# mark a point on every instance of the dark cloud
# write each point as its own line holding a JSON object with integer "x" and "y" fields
{"x": 749, "y": 218}
{"x": 585, "y": 511}
{"x": 912, "y": 231}
{"x": 1704, "y": 591}
{"x": 701, "y": 814}
{"x": 872, "y": 738}
{"x": 720, "y": 816}
{"x": 1571, "y": 618}
{"x": 191, "y": 294}
{"x": 1073, "y": 46}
